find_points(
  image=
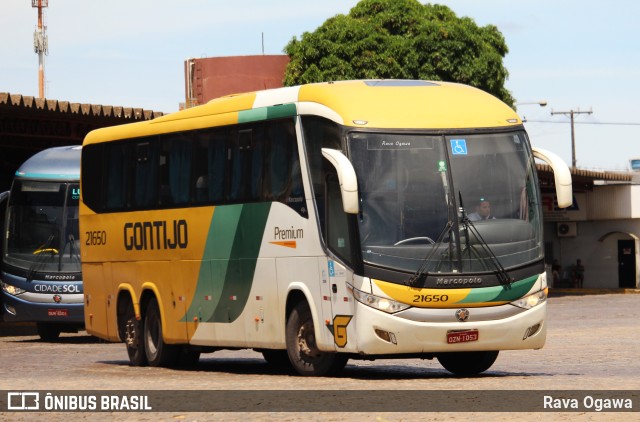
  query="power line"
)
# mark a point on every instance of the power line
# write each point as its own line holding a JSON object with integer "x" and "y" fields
{"x": 587, "y": 123}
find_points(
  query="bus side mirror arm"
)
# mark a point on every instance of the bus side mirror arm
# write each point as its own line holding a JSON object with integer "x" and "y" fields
{"x": 561, "y": 175}
{"x": 346, "y": 177}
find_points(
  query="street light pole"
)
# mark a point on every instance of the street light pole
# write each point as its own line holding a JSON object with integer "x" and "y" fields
{"x": 541, "y": 103}
{"x": 571, "y": 114}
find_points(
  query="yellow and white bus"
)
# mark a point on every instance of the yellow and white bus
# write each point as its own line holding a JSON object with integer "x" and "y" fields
{"x": 317, "y": 224}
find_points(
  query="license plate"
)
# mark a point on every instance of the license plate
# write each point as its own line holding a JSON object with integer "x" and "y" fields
{"x": 462, "y": 336}
{"x": 58, "y": 312}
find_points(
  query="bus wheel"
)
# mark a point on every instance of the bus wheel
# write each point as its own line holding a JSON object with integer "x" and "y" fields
{"x": 131, "y": 333}
{"x": 303, "y": 352}
{"x": 158, "y": 352}
{"x": 467, "y": 363}
{"x": 48, "y": 331}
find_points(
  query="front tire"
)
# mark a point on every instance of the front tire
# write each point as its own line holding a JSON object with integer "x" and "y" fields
{"x": 158, "y": 352}
{"x": 302, "y": 349}
{"x": 467, "y": 363}
{"x": 48, "y": 332}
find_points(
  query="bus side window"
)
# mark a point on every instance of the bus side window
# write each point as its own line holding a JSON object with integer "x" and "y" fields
{"x": 339, "y": 231}
{"x": 180, "y": 170}
{"x": 283, "y": 164}
{"x": 200, "y": 170}
{"x": 217, "y": 162}
{"x": 117, "y": 175}
{"x": 146, "y": 175}
{"x": 240, "y": 165}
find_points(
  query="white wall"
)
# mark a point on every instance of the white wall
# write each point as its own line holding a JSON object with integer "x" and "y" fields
{"x": 600, "y": 258}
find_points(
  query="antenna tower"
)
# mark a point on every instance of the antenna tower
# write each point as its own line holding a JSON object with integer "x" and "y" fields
{"x": 40, "y": 43}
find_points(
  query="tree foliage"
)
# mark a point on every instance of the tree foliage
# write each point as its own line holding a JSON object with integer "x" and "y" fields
{"x": 401, "y": 39}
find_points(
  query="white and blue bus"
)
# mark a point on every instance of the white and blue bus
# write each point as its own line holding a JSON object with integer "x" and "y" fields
{"x": 40, "y": 266}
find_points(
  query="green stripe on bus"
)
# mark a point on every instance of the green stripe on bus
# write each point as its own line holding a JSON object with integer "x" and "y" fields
{"x": 229, "y": 262}
{"x": 242, "y": 262}
{"x": 266, "y": 113}
{"x": 507, "y": 293}
{"x": 215, "y": 261}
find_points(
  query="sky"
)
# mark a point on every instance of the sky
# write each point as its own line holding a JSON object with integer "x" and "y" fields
{"x": 579, "y": 55}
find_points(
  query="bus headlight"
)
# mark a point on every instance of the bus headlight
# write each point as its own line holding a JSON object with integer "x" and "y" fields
{"x": 381, "y": 303}
{"x": 12, "y": 290}
{"x": 532, "y": 300}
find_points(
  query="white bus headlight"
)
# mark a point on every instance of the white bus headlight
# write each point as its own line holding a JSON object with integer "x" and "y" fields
{"x": 12, "y": 290}
{"x": 532, "y": 300}
{"x": 383, "y": 304}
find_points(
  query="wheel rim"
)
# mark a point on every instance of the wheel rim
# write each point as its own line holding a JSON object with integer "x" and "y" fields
{"x": 307, "y": 348}
{"x": 130, "y": 333}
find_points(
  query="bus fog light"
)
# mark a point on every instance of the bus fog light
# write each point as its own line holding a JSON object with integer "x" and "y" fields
{"x": 10, "y": 309}
{"x": 532, "y": 300}
{"x": 531, "y": 331}
{"x": 386, "y": 336}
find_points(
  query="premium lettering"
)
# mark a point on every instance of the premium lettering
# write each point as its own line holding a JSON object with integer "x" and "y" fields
{"x": 287, "y": 234}
{"x": 156, "y": 235}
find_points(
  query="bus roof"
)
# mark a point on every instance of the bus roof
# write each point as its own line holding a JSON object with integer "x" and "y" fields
{"x": 59, "y": 163}
{"x": 393, "y": 104}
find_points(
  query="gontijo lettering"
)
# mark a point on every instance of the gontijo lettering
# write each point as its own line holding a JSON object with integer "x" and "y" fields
{"x": 150, "y": 235}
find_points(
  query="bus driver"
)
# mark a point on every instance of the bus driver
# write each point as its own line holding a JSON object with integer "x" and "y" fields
{"x": 483, "y": 211}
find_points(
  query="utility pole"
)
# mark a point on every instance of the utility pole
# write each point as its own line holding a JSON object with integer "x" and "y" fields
{"x": 40, "y": 43}
{"x": 571, "y": 113}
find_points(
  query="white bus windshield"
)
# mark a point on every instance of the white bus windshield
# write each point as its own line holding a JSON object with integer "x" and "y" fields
{"x": 42, "y": 225}
{"x": 447, "y": 204}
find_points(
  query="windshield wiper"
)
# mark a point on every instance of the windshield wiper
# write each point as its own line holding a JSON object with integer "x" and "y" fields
{"x": 421, "y": 273}
{"x": 468, "y": 226}
{"x": 73, "y": 251}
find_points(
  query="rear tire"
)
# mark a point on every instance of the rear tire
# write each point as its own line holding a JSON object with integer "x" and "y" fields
{"x": 304, "y": 355}
{"x": 48, "y": 331}
{"x": 158, "y": 352}
{"x": 467, "y": 363}
{"x": 130, "y": 329}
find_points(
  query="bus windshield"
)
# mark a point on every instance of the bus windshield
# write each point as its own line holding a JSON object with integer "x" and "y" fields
{"x": 42, "y": 225}
{"x": 447, "y": 204}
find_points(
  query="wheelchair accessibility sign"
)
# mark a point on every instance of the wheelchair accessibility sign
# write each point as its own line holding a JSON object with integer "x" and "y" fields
{"x": 459, "y": 146}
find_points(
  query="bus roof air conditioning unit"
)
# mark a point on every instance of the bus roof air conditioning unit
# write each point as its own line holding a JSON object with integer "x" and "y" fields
{"x": 567, "y": 229}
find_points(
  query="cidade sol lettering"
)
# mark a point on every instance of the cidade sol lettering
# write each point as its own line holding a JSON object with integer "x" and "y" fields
{"x": 156, "y": 235}
{"x": 52, "y": 288}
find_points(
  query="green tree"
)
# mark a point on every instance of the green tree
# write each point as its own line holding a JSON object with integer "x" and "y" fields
{"x": 401, "y": 39}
